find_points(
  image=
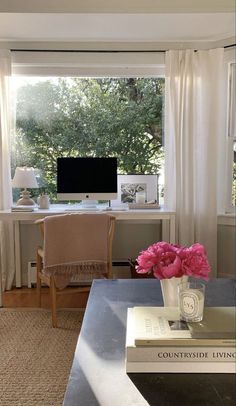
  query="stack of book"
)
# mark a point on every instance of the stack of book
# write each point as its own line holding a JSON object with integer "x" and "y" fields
{"x": 157, "y": 341}
{"x": 23, "y": 208}
{"x": 140, "y": 206}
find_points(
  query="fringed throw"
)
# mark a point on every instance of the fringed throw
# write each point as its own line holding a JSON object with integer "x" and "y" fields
{"x": 76, "y": 272}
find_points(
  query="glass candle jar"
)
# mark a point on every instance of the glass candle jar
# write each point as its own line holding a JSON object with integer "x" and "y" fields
{"x": 140, "y": 197}
{"x": 191, "y": 301}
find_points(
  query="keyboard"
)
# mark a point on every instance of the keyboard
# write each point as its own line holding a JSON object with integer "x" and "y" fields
{"x": 96, "y": 209}
{"x": 83, "y": 209}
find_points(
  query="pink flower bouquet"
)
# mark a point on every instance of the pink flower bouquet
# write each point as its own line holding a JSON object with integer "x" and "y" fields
{"x": 167, "y": 260}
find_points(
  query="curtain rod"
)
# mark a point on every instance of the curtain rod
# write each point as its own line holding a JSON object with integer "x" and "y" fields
{"x": 85, "y": 50}
{"x": 101, "y": 51}
{"x": 229, "y": 46}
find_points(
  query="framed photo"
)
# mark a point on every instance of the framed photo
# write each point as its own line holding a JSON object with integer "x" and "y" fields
{"x": 129, "y": 185}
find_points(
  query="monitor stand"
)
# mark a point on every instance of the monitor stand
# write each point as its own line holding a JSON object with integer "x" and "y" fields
{"x": 89, "y": 204}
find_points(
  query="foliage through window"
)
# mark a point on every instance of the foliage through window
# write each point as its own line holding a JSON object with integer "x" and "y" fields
{"x": 120, "y": 117}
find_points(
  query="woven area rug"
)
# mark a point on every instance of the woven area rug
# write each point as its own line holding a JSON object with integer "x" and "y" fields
{"x": 35, "y": 359}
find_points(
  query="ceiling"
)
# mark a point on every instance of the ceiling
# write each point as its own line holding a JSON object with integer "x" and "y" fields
{"x": 150, "y": 22}
{"x": 116, "y": 27}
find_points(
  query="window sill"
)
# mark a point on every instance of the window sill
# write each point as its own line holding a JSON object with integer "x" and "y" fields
{"x": 228, "y": 219}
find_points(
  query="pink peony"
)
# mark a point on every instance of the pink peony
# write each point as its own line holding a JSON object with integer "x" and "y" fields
{"x": 169, "y": 266}
{"x": 195, "y": 263}
{"x": 147, "y": 260}
{"x": 161, "y": 259}
{"x": 167, "y": 260}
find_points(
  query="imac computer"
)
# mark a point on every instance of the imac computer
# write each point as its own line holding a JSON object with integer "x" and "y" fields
{"x": 86, "y": 178}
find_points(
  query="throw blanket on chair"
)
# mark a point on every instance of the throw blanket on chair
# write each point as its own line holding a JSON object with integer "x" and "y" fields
{"x": 76, "y": 247}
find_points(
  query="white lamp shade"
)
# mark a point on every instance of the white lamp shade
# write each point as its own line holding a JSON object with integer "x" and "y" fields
{"x": 24, "y": 178}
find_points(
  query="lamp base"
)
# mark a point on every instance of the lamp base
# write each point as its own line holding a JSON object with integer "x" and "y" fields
{"x": 25, "y": 199}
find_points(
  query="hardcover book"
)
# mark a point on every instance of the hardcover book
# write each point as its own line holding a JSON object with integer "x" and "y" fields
{"x": 162, "y": 326}
{"x": 177, "y": 357}
{"x": 23, "y": 208}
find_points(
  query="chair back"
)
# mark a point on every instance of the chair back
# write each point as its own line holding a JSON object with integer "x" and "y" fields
{"x": 78, "y": 239}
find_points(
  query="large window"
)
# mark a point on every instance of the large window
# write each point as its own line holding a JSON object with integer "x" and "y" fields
{"x": 57, "y": 116}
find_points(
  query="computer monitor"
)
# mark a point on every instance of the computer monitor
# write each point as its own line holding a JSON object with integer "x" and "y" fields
{"x": 86, "y": 178}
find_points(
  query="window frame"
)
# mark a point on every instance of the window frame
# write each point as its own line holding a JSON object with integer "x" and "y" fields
{"x": 95, "y": 64}
{"x": 231, "y": 138}
{"x": 121, "y": 64}
{"x": 88, "y": 64}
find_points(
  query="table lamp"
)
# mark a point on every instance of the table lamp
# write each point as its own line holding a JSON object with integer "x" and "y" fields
{"x": 25, "y": 178}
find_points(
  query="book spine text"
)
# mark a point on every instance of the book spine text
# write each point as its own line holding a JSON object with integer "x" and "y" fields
{"x": 178, "y": 354}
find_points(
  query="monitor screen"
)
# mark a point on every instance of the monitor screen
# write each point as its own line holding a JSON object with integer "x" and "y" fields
{"x": 86, "y": 178}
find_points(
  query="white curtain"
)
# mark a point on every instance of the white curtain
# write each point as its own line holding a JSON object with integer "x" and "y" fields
{"x": 6, "y": 227}
{"x": 194, "y": 130}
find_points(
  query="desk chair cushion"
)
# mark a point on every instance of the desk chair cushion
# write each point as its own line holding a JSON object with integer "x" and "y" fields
{"x": 72, "y": 249}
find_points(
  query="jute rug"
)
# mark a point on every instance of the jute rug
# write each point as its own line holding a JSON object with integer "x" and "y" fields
{"x": 35, "y": 359}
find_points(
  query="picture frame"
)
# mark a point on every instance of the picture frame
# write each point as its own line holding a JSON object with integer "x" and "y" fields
{"x": 129, "y": 185}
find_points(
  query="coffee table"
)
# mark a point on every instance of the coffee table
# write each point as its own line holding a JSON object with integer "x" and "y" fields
{"x": 98, "y": 375}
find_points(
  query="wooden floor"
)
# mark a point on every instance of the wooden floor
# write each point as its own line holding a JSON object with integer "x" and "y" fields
{"x": 25, "y": 297}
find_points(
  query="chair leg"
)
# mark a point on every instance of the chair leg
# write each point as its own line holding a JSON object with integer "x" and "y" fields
{"x": 53, "y": 301}
{"x": 38, "y": 286}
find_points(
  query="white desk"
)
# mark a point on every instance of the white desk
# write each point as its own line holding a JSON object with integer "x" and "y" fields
{"x": 167, "y": 218}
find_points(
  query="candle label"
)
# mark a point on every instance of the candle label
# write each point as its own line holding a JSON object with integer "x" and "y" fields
{"x": 190, "y": 303}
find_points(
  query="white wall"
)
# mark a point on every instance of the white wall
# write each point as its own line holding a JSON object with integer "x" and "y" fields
{"x": 226, "y": 251}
